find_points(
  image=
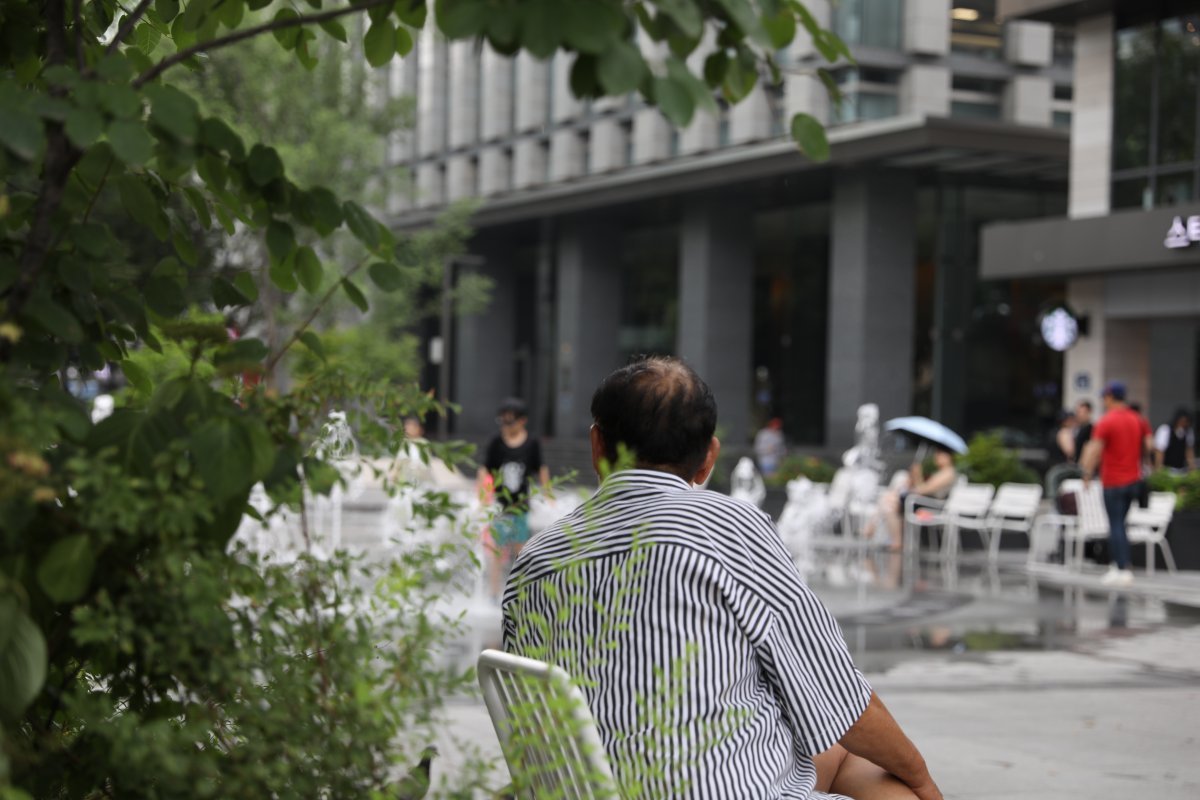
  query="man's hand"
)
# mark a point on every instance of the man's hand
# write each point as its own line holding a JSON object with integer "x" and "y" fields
{"x": 927, "y": 791}
{"x": 877, "y": 738}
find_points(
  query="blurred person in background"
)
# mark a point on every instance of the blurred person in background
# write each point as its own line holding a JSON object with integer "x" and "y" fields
{"x": 769, "y": 447}
{"x": 1175, "y": 443}
{"x": 1083, "y": 426}
{"x": 1063, "y": 449}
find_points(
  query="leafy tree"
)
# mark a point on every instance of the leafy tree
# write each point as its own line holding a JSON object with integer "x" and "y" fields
{"x": 143, "y": 653}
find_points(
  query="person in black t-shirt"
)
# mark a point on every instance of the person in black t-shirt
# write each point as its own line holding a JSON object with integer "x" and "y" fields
{"x": 512, "y": 458}
{"x": 1083, "y": 426}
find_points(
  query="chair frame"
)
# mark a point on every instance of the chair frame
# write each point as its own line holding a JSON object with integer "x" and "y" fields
{"x": 1014, "y": 510}
{"x": 542, "y": 755}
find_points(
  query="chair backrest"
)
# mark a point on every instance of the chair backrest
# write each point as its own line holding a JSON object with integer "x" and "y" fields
{"x": 970, "y": 499}
{"x": 1017, "y": 501}
{"x": 546, "y": 730}
{"x": 1157, "y": 514}
{"x": 1090, "y": 505}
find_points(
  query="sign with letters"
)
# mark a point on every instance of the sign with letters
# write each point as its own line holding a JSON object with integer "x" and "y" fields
{"x": 1184, "y": 232}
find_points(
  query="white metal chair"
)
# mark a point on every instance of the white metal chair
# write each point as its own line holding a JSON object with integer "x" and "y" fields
{"x": 1149, "y": 526}
{"x": 965, "y": 507}
{"x": 546, "y": 730}
{"x": 1091, "y": 520}
{"x": 1013, "y": 510}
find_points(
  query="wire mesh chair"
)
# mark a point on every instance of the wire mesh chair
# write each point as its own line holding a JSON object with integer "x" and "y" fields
{"x": 546, "y": 730}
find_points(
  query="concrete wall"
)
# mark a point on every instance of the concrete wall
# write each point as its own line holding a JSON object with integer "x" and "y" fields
{"x": 1092, "y": 118}
{"x": 716, "y": 305}
{"x": 927, "y": 27}
{"x": 872, "y": 290}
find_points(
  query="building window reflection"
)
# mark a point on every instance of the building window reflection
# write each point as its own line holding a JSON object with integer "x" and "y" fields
{"x": 874, "y": 23}
{"x": 1156, "y": 160}
{"x": 975, "y": 30}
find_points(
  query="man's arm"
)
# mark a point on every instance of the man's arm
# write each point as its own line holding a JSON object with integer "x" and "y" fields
{"x": 877, "y": 738}
{"x": 1091, "y": 457}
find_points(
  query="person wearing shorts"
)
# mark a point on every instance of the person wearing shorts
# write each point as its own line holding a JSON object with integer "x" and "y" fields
{"x": 511, "y": 459}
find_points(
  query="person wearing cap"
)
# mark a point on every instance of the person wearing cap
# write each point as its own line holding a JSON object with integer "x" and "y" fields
{"x": 512, "y": 457}
{"x": 1118, "y": 441}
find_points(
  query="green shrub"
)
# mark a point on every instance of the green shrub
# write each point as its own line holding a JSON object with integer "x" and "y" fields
{"x": 987, "y": 460}
{"x": 815, "y": 469}
{"x": 1186, "y": 487}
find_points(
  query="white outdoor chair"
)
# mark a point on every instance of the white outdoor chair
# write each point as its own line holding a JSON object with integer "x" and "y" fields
{"x": 1149, "y": 526}
{"x": 1013, "y": 510}
{"x": 965, "y": 507}
{"x": 546, "y": 730}
{"x": 1090, "y": 521}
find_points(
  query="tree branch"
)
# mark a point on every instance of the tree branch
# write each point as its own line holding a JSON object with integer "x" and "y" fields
{"x": 131, "y": 19}
{"x": 303, "y": 326}
{"x": 80, "y": 63}
{"x": 250, "y": 33}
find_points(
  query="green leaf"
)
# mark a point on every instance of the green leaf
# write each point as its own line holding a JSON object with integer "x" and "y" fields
{"x": 142, "y": 205}
{"x": 119, "y": 100}
{"x": 361, "y": 224}
{"x": 130, "y": 141}
{"x": 54, "y": 319}
{"x": 589, "y": 26}
{"x": 308, "y": 269}
{"x": 379, "y": 44}
{"x": 674, "y": 100}
{"x": 743, "y": 16}
{"x": 165, "y": 296}
{"x": 810, "y": 135}
{"x": 23, "y": 660}
{"x": 685, "y": 14}
{"x": 226, "y": 295}
{"x": 620, "y": 68}
{"x": 220, "y": 448}
{"x": 386, "y": 276}
{"x": 231, "y": 13}
{"x": 21, "y": 132}
{"x": 185, "y": 248}
{"x": 831, "y": 85}
{"x": 219, "y": 136}
{"x": 412, "y": 13}
{"x": 283, "y": 273}
{"x": 324, "y": 210}
{"x": 355, "y": 294}
{"x": 264, "y": 165}
{"x": 288, "y": 37}
{"x": 173, "y": 111}
{"x": 167, "y": 9}
{"x": 66, "y": 570}
{"x": 334, "y": 29}
{"x": 199, "y": 205}
{"x": 539, "y": 27}
{"x": 83, "y": 127}
{"x": 404, "y": 41}
{"x": 137, "y": 377}
{"x": 740, "y": 77}
{"x": 193, "y": 15}
{"x": 241, "y": 353}
{"x": 715, "y": 68}
{"x": 93, "y": 239}
{"x": 281, "y": 239}
{"x": 781, "y": 27}
{"x": 461, "y": 19}
{"x": 245, "y": 284}
{"x": 313, "y": 343}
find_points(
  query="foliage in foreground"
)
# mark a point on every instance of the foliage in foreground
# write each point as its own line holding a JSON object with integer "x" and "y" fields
{"x": 141, "y": 653}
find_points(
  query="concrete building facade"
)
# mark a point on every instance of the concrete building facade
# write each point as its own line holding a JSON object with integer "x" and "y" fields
{"x": 798, "y": 290}
{"x": 1125, "y": 250}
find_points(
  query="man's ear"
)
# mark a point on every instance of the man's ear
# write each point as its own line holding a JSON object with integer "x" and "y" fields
{"x": 710, "y": 461}
{"x": 597, "y": 448}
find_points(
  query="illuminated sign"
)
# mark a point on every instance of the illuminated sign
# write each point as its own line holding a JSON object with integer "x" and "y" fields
{"x": 1184, "y": 232}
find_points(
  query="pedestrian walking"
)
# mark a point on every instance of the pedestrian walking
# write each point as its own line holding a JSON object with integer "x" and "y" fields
{"x": 1175, "y": 443}
{"x": 1118, "y": 441}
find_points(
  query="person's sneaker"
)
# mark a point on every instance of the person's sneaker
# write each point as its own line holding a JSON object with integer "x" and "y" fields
{"x": 1117, "y": 577}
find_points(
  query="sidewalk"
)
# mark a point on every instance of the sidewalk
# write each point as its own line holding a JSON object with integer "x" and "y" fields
{"x": 1116, "y": 717}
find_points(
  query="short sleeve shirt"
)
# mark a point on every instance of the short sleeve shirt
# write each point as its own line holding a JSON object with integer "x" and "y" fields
{"x": 1123, "y": 432}
{"x": 698, "y": 647}
{"x": 513, "y": 467}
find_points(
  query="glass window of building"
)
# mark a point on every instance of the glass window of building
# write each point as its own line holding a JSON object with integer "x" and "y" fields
{"x": 1156, "y": 102}
{"x": 975, "y": 98}
{"x": 874, "y": 23}
{"x": 649, "y": 291}
{"x": 867, "y": 94}
{"x": 975, "y": 30}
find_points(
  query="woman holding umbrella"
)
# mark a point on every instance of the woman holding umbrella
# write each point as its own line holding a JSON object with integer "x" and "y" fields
{"x": 937, "y": 484}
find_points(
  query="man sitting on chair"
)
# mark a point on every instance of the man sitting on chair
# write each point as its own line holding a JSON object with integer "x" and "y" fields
{"x": 711, "y": 669}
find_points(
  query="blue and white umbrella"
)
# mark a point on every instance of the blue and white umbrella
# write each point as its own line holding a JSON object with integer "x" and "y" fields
{"x": 928, "y": 430}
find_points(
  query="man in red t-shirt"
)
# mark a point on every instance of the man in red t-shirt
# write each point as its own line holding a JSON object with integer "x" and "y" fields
{"x": 1118, "y": 443}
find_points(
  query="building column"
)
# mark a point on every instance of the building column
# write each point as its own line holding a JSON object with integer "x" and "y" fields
{"x": 953, "y": 301}
{"x": 482, "y": 351}
{"x": 716, "y": 305}
{"x": 589, "y": 310}
{"x": 872, "y": 290}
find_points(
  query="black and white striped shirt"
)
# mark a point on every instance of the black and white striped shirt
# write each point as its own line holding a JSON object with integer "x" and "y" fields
{"x": 711, "y": 669}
